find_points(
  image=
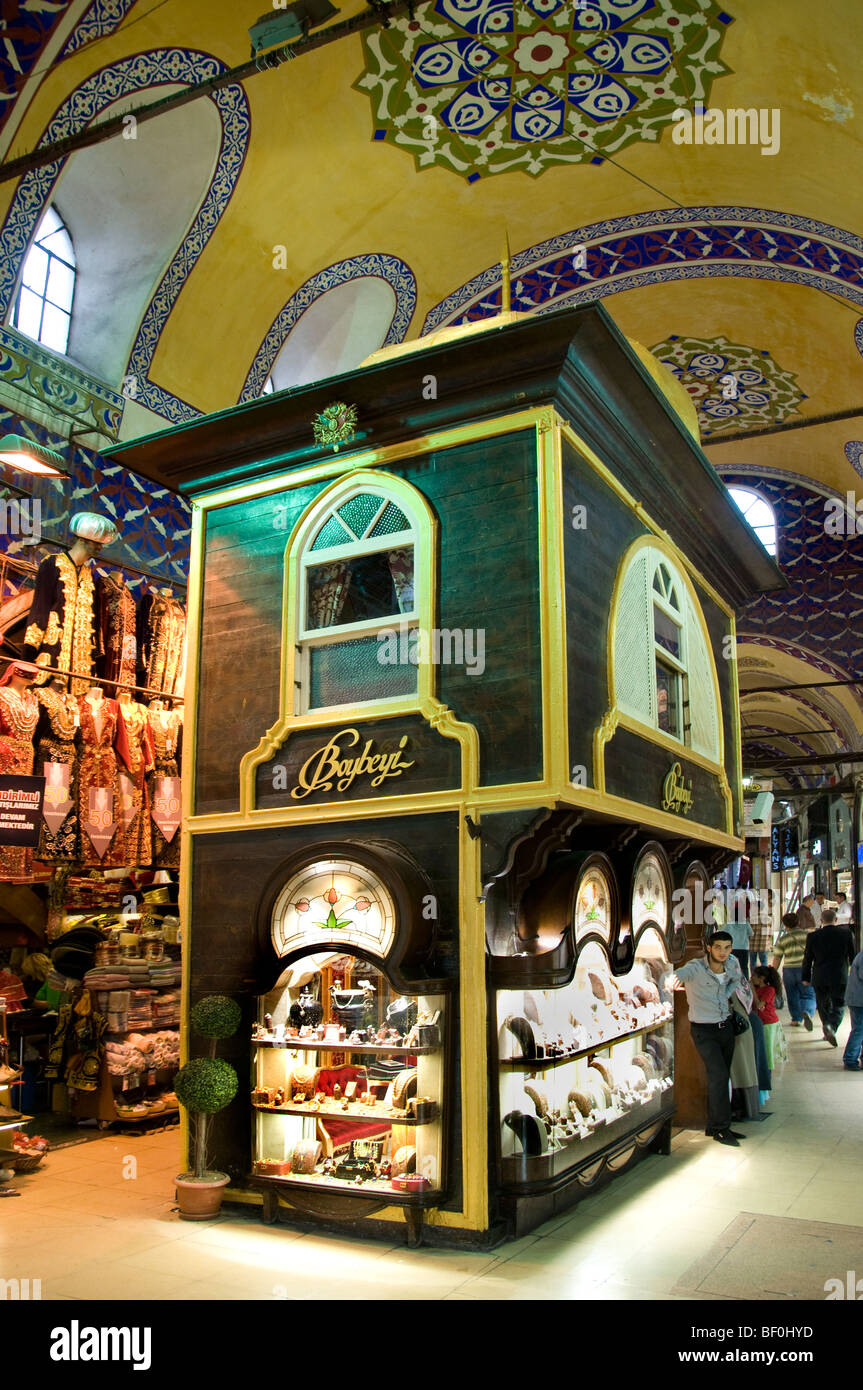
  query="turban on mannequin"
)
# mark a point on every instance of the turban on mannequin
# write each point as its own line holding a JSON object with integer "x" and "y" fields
{"x": 19, "y": 668}
{"x": 89, "y": 526}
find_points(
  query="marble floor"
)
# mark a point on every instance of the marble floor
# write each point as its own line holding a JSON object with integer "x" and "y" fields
{"x": 91, "y": 1224}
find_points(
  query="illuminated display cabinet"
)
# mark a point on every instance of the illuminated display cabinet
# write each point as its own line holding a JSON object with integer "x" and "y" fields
{"x": 463, "y": 720}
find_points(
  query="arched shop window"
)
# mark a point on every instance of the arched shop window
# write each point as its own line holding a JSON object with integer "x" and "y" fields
{"x": 358, "y": 600}
{"x": 663, "y": 672}
{"x": 43, "y": 305}
{"x": 759, "y": 514}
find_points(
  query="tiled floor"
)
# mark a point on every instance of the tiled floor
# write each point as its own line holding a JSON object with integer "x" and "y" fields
{"x": 94, "y": 1225}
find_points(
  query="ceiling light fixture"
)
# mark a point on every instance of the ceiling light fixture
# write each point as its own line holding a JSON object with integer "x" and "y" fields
{"x": 31, "y": 457}
{"x": 289, "y": 22}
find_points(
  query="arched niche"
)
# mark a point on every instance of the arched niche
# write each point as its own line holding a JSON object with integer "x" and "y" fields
{"x": 337, "y": 332}
{"x": 128, "y": 204}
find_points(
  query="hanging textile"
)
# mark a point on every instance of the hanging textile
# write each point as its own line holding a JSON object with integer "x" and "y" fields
{"x": 328, "y": 590}
{"x": 100, "y": 812}
{"x": 161, "y": 632}
{"x": 166, "y": 727}
{"x": 116, "y": 616}
{"x": 19, "y": 714}
{"x": 61, "y": 628}
{"x": 401, "y": 563}
{"x": 134, "y": 793}
{"x": 57, "y": 761}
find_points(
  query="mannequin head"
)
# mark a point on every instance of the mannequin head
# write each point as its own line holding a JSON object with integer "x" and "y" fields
{"x": 19, "y": 675}
{"x": 83, "y": 551}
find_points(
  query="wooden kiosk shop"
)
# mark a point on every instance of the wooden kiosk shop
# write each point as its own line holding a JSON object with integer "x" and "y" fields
{"x": 463, "y": 716}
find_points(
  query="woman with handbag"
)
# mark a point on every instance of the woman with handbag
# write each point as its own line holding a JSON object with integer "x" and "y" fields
{"x": 710, "y": 981}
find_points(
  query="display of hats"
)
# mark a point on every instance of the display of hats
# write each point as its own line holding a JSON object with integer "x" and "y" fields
{"x": 89, "y": 526}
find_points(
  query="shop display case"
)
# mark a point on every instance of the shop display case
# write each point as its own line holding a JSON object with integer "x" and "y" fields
{"x": 349, "y": 1084}
{"x": 584, "y": 1064}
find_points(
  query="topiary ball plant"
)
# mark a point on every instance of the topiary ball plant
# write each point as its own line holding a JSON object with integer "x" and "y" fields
{"x": 217, "y": 1016}
{"x": 206, "y": 1085}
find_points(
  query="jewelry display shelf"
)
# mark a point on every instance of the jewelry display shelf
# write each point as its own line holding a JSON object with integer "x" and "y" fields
{"x": 377, "y": 1049}
{"x": 337, "y": 1113}
{"x": 377, "y": 1191}
{"x": 546, "y": 1063}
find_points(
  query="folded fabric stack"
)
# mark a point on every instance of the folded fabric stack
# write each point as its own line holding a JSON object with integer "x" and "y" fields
{"x": 105, "y": 977}
{"x": 166, "y": 1008}
{"x": 140, "y": 1008}
{"x": 165, "y": 973}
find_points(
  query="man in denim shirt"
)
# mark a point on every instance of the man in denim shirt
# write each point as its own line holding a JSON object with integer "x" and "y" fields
{"x": 709, "y": 982}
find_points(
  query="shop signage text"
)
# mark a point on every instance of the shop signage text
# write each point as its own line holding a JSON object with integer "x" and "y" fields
{"x": 328, "y": 766}
{"x": 20, "y": 809}
{"x": 676, "y": 793}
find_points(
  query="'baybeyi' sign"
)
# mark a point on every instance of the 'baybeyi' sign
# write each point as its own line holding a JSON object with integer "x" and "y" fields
{"x": 676, "y": 793}
{"x": 328, "y": 767}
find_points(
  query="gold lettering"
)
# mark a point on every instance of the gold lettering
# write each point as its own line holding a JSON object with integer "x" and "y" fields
{"x": 327, "y": 766}
{"x": 676, "y": 795}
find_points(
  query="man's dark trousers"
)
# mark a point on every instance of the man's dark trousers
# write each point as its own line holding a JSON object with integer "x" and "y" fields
{"x": 830, "y": 998}
{"x": 715, "y": 1045}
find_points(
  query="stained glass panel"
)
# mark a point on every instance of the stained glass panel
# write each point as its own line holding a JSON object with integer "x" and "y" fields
{"x": 360, "y": 511}
{"x": 392, "y": 520}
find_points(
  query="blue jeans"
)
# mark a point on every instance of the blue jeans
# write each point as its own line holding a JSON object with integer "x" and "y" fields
{"x": 757, "y": 958}
{"x": 801, "y": 998}
{"x": 851, "y": 1055}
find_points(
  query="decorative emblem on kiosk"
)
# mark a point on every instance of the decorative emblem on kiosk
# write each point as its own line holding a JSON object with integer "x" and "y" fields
{"x": 327, "y": 766}
{"x": 335, "y": 425}
{"x": 334, "y": 899}
{"x": 676, "y": 793}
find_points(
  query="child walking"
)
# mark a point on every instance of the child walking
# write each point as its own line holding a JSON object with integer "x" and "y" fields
{"x": 767, "y": 988}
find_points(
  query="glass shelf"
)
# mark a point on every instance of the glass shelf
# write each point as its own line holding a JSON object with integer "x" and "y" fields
{"x": 544, "y": 1064}
{"x": 360, "y": 1114}
{"x": 376, "y": 1049}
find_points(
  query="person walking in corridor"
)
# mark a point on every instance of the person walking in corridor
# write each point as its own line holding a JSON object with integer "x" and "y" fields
{"x": 788, "y": 953}
{"x": 709, "y": 980}
{"x": 829, "y": 953}
{"x": 854, "y": 1000}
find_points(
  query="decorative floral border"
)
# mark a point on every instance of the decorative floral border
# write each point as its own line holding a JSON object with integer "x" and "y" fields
{"x": 646, "y": 248}
{"x": 103, "y": 17}
{"x": 78, "y": 110}
{"x": 395, "y": 272}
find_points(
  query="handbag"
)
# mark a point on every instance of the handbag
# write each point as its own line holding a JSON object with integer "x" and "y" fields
{"x": 739, "y": 1023}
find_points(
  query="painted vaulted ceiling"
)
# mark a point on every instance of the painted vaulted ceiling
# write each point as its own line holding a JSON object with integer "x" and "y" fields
{"x": 696, "y": 166}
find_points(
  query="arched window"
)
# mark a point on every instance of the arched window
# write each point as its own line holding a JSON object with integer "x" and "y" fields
{"x": 663, "y": 672}
{"x": 759, "y": 514}
{"x": 43, "y": 306}
{"x": 357, "y": 624}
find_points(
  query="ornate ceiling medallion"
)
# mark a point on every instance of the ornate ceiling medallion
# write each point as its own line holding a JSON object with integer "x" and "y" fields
{"x": 733, "y": 387}
{"x": 489, "y": 86}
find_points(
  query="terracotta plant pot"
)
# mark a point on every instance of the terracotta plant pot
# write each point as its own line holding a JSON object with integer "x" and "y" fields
{"x": 200, "y": 1201}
